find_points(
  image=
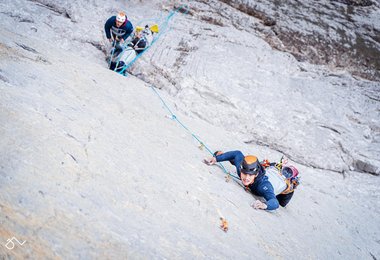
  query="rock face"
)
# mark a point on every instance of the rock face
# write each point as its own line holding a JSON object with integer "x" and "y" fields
{"x": 319, "y": 116}
{"x": 355, "y": 2}
{"x": 180, "y": 63}
{"x": 341, "y": 34}
{"x": 92, "y": 165}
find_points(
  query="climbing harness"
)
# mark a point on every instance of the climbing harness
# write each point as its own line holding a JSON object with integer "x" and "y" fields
{"x": 283, "y": 178}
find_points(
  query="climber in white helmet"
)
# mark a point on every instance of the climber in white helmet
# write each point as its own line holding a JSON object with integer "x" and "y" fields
{"x": 117, "y": 29}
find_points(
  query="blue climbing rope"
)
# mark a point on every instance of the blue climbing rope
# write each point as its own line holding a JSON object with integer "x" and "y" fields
{"x": 174, "y": 117}
{"x": 163, "y": 29}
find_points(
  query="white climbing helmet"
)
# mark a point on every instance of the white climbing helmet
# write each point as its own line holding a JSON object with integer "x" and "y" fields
{"x": 121, "y": 17}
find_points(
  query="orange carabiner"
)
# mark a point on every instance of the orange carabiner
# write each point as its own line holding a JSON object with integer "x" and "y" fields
{"x": 224, "y": 224}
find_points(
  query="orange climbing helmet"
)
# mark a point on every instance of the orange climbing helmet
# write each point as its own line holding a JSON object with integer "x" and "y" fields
{"x": 250, "y": 165}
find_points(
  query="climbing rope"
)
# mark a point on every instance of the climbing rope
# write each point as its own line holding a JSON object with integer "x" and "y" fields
{"x": 163, "y": 29}
{"x": 202, "y": 144}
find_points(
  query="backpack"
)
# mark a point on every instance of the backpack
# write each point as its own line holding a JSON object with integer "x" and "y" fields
{"x": 283, "y": 178}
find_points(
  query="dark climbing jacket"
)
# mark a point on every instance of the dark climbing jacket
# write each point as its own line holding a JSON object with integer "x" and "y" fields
{"x": 117, "y": 33}
{"x": 261, "y": 186}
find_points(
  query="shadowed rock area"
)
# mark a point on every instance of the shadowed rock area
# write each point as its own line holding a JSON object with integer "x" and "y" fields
{"x": 341, "y": 34}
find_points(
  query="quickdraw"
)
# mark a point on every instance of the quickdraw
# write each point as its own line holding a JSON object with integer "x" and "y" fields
{"x": 224, "y": 224}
